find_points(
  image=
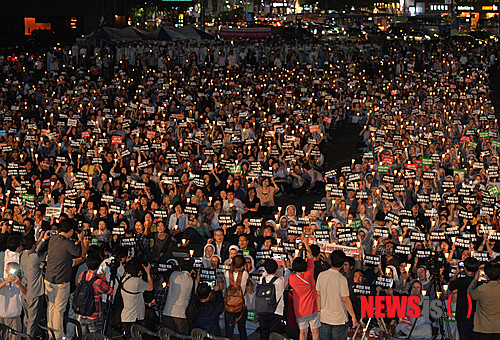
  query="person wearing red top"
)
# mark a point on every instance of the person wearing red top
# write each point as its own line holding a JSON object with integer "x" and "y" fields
{"x": 304, "y": 297}
{"x": 95, "y": 322}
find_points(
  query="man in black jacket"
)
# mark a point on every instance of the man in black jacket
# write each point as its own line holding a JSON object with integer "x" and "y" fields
{"x": 210, "y": 306}
{"x": 465, "y": 325}
{"x": 221, "y": 246}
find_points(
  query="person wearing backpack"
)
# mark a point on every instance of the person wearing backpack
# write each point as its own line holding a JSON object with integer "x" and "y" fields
{"x": 234, "y": 299}
{"x": 269, "y": 300}
{"x": 88, "y": 294}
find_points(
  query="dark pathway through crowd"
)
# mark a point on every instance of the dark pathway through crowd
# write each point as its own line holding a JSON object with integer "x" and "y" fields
{"x": 495, "y": 89}
{"x": 338, "y": 152}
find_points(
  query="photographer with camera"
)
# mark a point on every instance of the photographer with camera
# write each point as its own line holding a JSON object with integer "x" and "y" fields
{"x": 92, "y": 321}
{"x": 62, "y": 255}
{"x": 487, "y": 297}
{"x": 132, "y": 290}
{"x": 30, "y": 261}
{"x": 113, "y": 266}
{"x": 11, "y": 292}
{"x": 465, "y": 325}
{"x": 180, "y": 287}
{"x": 210, "y": 306}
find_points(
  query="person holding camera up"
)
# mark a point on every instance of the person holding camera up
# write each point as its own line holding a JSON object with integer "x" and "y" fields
{"x": 487, "y": 295}
{"x": 30, "y": 261}
{"x": 269, "y": 300}
{"x": 180, "y": 286}
{"x": 93, "y": 320}
{"x": 63, "y": 253}
{"x": 132, "y": 289}
{"x": 11, "y": 292}
{"x": 305, "y": 296}
{"x": 210, "y": 306}
{"x": 465, "y": 325}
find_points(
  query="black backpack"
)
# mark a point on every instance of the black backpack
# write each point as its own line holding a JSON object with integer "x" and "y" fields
{"x": 265, "y": 297}
{"x": 83, "y": 297}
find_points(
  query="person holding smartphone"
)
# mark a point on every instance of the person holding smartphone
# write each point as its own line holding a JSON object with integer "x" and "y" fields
{"x": 210, "y": 306}
{"x": 11, "y": 305}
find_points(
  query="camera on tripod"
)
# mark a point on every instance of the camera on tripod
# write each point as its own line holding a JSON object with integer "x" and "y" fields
{"x": 435, "y": 262}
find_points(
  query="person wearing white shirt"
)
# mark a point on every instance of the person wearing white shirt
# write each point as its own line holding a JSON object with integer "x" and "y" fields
{"x": 239, "y": 318}
{"x": 270, "y": 323}
{"x": 333, "y": 300}
{"x": 11, "y": 305}
{"x": 234, "y": 205}
{"x": 180, "y": 287}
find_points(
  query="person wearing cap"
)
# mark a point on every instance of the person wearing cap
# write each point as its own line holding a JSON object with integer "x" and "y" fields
{"x": 233, "y": 251}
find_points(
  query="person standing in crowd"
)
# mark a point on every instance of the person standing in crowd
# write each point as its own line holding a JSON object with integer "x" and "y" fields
{"x": 132, "y": 290}
{"x": 210, "y": 306}
{"x": 234, "y": 302}
{"x": 11, "y": 294}
{"x": 30, "y": 262}
{"x": 95, "y": 322}
{"x": 465, "y": 325}
{"x": 333, "y": 299}
{"x": 271, "y": 321}
{"x": 304, "y": 293}
{"x": 62, "y": 255}
{"x": 180, "y": 287}
{"x": 487, "y": 297}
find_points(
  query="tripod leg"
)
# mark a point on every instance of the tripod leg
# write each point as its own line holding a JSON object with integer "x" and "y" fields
{"x": 356, "y": 331}
{"x": 415, "y": 323}
{"x": 381, "y": 324}
{"x": 366, "y": 328}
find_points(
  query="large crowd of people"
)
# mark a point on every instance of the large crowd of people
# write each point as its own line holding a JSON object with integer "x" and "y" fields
{"x": 147, "y": 179}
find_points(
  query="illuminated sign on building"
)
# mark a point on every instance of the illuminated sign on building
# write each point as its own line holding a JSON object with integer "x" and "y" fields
{"x": 465, "y": 8}
{"x": 31, "y": 25}
{"x": 490, "y": 8}
{"x": 440, "y": 7}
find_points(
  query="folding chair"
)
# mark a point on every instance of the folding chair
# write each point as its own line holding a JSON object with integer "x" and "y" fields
{"x": 136, "y": 331}
{"x": 200, "y": 334}
{"x": 277, "y": 336}
{"x": 168, "y": 334}
{"x": 78, "y": 327}
{"x": 4, "y": 329}
{"x": 96, "y": 336}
